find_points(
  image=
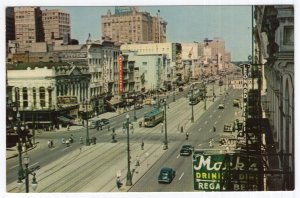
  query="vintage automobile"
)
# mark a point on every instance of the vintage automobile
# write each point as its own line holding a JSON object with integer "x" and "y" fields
{"x": 166, "y": 175}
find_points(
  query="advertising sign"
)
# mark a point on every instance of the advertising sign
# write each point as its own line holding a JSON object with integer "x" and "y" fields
{"x": 246, "y": 70}
{"x": 120, "y": 63}
{"x": 226, "y": 172}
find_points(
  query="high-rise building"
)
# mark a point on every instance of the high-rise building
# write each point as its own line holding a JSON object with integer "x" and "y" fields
{"x": 28, "y": 26}
{"x": 56, "y": 24}
{"x": 132, "y": 26}
{"x": 10, "y": 24}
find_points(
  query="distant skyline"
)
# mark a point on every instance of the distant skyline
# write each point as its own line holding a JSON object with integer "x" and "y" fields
{"x": 185, "y": 24}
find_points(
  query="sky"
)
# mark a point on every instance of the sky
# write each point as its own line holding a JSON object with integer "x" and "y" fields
{"x": 185, "y": 24}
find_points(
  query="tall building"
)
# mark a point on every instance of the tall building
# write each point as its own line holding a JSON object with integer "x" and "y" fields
{"x": 56, "y": 24}
{"x": 28, "y": 26}
{"x": 10, "y": 24}
{"x": 274, "y": 55}
{"x": 131, "y": 26}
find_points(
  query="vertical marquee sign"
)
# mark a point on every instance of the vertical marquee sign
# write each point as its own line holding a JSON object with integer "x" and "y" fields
{"x": 246, "y": 72}
{"x": 120, "y": 63}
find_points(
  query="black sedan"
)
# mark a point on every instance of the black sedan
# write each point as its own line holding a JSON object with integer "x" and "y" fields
{"x": 186, "y": 150}
{"x": 102, "y": 122}
{"x": 166, "y": 175}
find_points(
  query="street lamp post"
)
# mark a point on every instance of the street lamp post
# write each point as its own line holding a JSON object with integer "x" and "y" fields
{"x": 192, "y": 103}
{"x": 165, "y": 117}
{"x": 26, "y": 175}
{"x": 87, "y": 124}
{"x": 129, "y": 178}
{"x": 213, "y": 91}
{"x": 205, "y": 98}
{"x": 134, "y": 108}
{"x": 174, "y": 93}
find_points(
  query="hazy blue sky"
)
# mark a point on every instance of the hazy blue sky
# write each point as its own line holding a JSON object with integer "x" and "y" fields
{"x": 185, "y": 24}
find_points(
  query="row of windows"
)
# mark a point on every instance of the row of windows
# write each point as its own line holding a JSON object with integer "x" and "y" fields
{"x": 42, "y": 96}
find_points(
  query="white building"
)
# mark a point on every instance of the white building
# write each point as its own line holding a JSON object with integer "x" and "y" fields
{"x": 42, "y": 94}
{"x": 172, "y": 51}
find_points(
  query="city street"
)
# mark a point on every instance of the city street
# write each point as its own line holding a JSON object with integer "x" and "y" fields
{"x": 79, "y": 167}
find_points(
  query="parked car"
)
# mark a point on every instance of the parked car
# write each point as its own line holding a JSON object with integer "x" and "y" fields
{"x": 92, "y": 124}
{"x": 228, "y": 128}
{"x": 166, "y": 175}
{"x": 221, "y": 106}
{"x": 102, "y": 122}
{"x": 186, "y": 150}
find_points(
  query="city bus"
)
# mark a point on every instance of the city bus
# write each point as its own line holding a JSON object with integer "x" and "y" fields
{"x": 153, "y": 117}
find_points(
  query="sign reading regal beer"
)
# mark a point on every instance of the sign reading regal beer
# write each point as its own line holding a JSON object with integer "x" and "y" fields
{"x": 226, "y": 172}
{"x": 120, "y": 63}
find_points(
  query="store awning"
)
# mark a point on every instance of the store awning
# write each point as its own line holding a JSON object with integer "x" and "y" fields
{"x": 114, "y": 101}
{"x": 63, "y": 119}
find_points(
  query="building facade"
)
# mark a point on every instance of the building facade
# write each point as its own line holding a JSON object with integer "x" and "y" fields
{"x": 173, "y": 54}
{"x": 28, "y": 26}
{"x": 42, "y": 94}
{"x": 274, "y": 52}
{"x": 132, "y": 26}
{"x": 10, "y": 24}
{"x": 148, "y": 71}
{"x": 56, "y": 24}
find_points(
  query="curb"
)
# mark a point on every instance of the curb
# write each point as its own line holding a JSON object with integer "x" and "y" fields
{"x": 15, "y": 155}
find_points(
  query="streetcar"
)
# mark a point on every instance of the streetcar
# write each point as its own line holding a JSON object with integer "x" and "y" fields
{"x": 195, "y": 97}
{"x": 153, "y": 117}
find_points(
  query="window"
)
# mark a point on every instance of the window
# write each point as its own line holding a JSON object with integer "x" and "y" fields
{"x": 34, "y": 96}
{"x": 42, "y": 96}
{"x": 25, "y": 97}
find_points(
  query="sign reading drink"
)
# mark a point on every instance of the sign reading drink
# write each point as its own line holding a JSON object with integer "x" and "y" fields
{"x": 226, "y": 172}
{"x": 120, "y": 63}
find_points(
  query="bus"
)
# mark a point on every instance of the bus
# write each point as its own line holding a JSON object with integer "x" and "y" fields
{"x": 153, "y": 117}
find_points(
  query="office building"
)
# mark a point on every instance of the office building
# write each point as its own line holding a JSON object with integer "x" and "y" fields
{"x": 132, "y": 26}
{"x": 28, "y": 26}
{"x": 56, "y": 24}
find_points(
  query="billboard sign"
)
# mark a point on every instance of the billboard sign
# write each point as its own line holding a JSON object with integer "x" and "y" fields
{"x": 226, "y": 172}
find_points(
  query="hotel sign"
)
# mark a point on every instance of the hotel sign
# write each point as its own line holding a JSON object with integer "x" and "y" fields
{"x": 246, "y": 81}
{"x": 120, "y": 63}
{"x": 226, "y": 172}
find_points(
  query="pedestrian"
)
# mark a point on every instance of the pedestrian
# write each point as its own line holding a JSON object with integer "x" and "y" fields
{"x": 119, "y": 183}
{"x": 51, "y": 143}
{"x": 142, "y": 145}
{"x": 108, "y": 127}
{"x": 187, "y": 136}
{"x": 68, "y": 127}
{"x": 63, "y": 141}
{"x": 214, "y": 129}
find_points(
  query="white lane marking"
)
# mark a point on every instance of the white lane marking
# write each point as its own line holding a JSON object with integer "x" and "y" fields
{"x": 200, "y": 129}
{"x": 210, "y": 130}
{"x": 34, "y": 164}
{"x": 199, "y": 144}
{"x": 215, "y": 122}
{"x": 178, "y": 156}
{"x": 215, "y": 111}
{"x": 181, "y": 176}
{"x": 219, "y": 116}
{"x": 13, "y": 167}
{"x": 65, "y": 148}
{"x": 210, "y": 116}
{"x": 205, "y": 122}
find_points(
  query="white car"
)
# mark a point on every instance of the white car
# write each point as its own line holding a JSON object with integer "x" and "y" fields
{"x": 221, "y": 106}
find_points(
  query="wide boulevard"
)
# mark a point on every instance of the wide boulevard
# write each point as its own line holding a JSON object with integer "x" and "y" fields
{"x": 93, "y": 168}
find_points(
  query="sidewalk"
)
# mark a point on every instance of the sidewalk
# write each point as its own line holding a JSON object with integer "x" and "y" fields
{"x": 13, "y": 151}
